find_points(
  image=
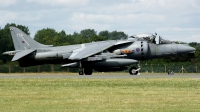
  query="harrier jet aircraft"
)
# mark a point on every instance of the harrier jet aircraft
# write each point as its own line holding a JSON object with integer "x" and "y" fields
{"x": 111, "y": 55}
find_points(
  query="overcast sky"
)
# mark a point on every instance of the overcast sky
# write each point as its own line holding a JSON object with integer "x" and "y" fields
{"x": 177, "y": 20}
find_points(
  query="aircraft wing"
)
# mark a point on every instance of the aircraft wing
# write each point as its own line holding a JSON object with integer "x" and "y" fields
{"x": 93, "y": 48}
{"x": 21, "y": 54}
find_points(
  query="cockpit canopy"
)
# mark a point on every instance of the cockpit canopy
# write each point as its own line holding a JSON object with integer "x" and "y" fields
{"x": 145, "y": 36}
{"x": 150, "y": 38}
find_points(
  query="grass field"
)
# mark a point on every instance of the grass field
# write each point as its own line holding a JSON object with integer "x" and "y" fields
{"x": 100, "y": 95}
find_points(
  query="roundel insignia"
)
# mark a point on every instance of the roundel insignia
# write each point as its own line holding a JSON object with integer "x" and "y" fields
{"x": 138, "y": 49}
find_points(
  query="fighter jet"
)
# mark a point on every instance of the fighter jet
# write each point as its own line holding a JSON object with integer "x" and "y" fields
{"x": 102, "y": 56}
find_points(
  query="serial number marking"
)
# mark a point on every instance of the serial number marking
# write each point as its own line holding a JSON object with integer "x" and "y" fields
{"x": 19, "y": 35}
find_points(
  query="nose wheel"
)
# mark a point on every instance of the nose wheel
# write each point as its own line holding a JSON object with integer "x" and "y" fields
{"x": 133, "y": 71}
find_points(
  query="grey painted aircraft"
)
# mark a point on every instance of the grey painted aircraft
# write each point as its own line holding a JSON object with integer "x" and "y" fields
{"x": 111, "y": 55}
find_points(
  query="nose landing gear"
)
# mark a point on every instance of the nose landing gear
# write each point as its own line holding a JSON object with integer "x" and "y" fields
{"x": 134, "y": 70}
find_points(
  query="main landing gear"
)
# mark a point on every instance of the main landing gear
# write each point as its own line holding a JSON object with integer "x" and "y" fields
{"x": 86, "y": 71}
{"x": 134, "y": 70}
{"x": 80, "y": 71}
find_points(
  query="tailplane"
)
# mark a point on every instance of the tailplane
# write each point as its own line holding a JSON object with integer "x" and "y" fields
{"x": 22, "y": 41}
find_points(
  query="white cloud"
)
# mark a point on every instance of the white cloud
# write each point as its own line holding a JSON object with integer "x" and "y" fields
{"x": 70, "y": 3}
{"x": 179, "y": 29}
{"x": 189, "y": 38}
{"x": 194, "y": 37}
{"x": 10, "y": 16}
{"x": 6, "y": 3}
{"x": 152, "y": 6}
{"x": 180, "y": 34}
{"x": 179, "y": 18}
{"x": 117, "y": 19}
{"x": 7, "y": 16}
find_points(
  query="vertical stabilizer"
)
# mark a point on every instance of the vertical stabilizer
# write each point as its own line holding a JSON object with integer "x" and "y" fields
{"x": 22, "y": 41}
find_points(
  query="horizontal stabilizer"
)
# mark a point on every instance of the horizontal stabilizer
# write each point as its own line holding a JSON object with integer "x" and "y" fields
{"x": 21, "y": 54}
{"x": 10, "y": 53}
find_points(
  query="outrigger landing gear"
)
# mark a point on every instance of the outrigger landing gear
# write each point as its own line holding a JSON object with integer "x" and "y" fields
{"x": 134, "y": 70}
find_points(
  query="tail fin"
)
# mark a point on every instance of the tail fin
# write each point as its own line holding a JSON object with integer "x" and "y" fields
{"x": 22, "y": 41}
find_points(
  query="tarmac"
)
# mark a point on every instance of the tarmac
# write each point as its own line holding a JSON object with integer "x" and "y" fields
{"x": 98, "y": 75}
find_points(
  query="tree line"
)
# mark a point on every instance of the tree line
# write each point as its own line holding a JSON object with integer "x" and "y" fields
{"x": 50, "y": 36}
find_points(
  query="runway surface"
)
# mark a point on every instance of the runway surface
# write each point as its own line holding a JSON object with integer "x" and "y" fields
{"x": 97, "y": 75}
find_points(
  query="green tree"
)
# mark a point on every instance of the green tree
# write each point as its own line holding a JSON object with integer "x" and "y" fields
{"x": 104, "y": 34}
{"x": 197, "y": 53}
{"x": 76, "y": 38}
{"x": 52, "y": 40}
{"x": 45, "y": 36}
{"x": 88, "y": 33}
{"x": 96, "y": 38}
{"x": 193, "y": 44}
{"x": 117, "y": 35}
{"x": 114, "y": 35}
{"x": 62, "y": 40}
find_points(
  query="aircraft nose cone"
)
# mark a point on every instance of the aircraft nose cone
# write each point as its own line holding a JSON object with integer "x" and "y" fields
{"x": 183, "y": 49}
